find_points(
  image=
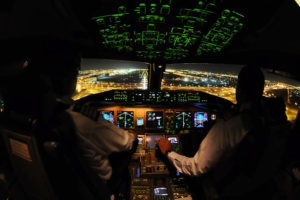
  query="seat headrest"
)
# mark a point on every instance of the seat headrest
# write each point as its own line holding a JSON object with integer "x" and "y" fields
{"x": 19, "y": 119}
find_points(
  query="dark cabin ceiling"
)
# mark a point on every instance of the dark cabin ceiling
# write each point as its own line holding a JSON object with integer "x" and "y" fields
{"x": 170, "y": 31}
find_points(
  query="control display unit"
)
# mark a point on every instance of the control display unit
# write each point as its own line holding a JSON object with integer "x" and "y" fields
{"x": 173, "y": 140}
{"x": 155, "y": 120}
{"x": 125, "y": 119}
{"x": 161, "y": 191}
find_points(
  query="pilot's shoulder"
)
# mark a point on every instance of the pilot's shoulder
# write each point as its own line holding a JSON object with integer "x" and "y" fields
{"x": 234, "y": 122}
{"x": 80, "y": 119}
{"x": 85, "y": 111}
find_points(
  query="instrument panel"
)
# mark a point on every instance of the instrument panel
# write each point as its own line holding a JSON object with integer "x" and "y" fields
{"x": 152, "y": 177}
{"x": 154, "y": 97}
{"x": 166, "y": 120}
{"x": 183, "y": 117}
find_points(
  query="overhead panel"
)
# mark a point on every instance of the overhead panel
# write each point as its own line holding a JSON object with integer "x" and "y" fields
{"x": 166, "y": 30}
{"x": 221, "y": 33}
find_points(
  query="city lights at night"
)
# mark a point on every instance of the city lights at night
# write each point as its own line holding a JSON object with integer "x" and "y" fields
{"x": 223, "y": 85}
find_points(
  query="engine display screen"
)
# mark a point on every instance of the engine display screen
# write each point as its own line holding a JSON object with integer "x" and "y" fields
{"x": 155, "y": 120}
{"x": 125, "y": 119}
{"x": 108, "y": 115}
{"x": 183, "y": 120}
{"x": 199, "y": 119}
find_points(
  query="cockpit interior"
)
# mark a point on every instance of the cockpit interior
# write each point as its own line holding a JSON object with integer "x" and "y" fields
{"x": 157, "y": 68}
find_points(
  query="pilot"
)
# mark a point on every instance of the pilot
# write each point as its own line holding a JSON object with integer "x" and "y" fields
{"x": 225, "y": 135}
{"x": 52, "y": 74}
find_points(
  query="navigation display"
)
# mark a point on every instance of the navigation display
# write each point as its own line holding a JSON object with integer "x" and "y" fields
{"x": 183, "y": 120}
{"x": 108, "y": 115}
{"x": 155, "y": 120}
{"x": 199, "y": 119}
{"x": 125, "y": 119}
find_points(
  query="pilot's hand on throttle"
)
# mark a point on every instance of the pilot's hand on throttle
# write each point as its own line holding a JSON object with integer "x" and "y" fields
{"x": 164, "y": 145}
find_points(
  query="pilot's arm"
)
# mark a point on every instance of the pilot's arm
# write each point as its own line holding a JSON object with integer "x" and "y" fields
{"x": 98, "y": 140}
{"x": 102, "y": 136}
{"x": 115, "y": 139}
{"x": 217, "y": 142}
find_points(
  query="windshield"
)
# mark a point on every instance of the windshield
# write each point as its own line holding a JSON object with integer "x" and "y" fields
{"x": 100, "y": 75}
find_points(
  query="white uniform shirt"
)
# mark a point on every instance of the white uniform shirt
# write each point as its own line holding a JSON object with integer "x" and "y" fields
{"x": 220, "y": 140}
{"x": 99, "y": 139}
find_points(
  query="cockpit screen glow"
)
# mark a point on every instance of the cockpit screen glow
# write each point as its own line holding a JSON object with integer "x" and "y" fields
{"x": 199, "y": 119}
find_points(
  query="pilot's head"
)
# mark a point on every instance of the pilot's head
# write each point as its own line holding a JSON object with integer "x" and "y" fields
{"x": 58, "y": 62}
{"x": 250, "y": 84}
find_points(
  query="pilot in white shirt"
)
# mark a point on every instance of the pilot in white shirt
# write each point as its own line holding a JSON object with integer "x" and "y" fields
{"x": 224, "y": 136}
{"x": 219, "y": 142}
{"x": 98, "y": 139}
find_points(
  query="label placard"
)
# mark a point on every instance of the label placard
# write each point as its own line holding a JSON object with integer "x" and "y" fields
{"x": 20, "y": 149}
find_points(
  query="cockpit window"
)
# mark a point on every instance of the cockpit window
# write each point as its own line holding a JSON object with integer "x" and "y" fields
{"x": 100, "y": 75}
{"x": 209, "y": 78}
{"x": 221, "y": 79}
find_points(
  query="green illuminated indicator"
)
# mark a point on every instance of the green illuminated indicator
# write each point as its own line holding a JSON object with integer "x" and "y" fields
{"x": 165, "y": 10}
{"x": 222, "y": 32}
{"x": 151, "y": 19}
{"x": 147, "y": 40}
{"x": 122, "y": 9}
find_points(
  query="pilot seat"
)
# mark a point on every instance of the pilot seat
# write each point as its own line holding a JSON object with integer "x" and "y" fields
{"x": 45, "y": 158}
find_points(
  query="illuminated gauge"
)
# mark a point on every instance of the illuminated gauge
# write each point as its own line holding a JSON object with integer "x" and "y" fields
{"x": 107, "y": 115}
{"x": 199, "y": 119}
{"x": 155, "y": 120}
{"x": 183, "y": 120}
{"x": 213, "y": 117}
{"x": 125, "y": 119}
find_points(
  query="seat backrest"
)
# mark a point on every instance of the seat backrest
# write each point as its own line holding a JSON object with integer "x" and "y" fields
{"x": 267, "y": 164}
{"x": 257, "y": 169}
{"x": 48, "y": 164}
{"x": 26, "y": 161}
{"x": 88, "y": 184}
